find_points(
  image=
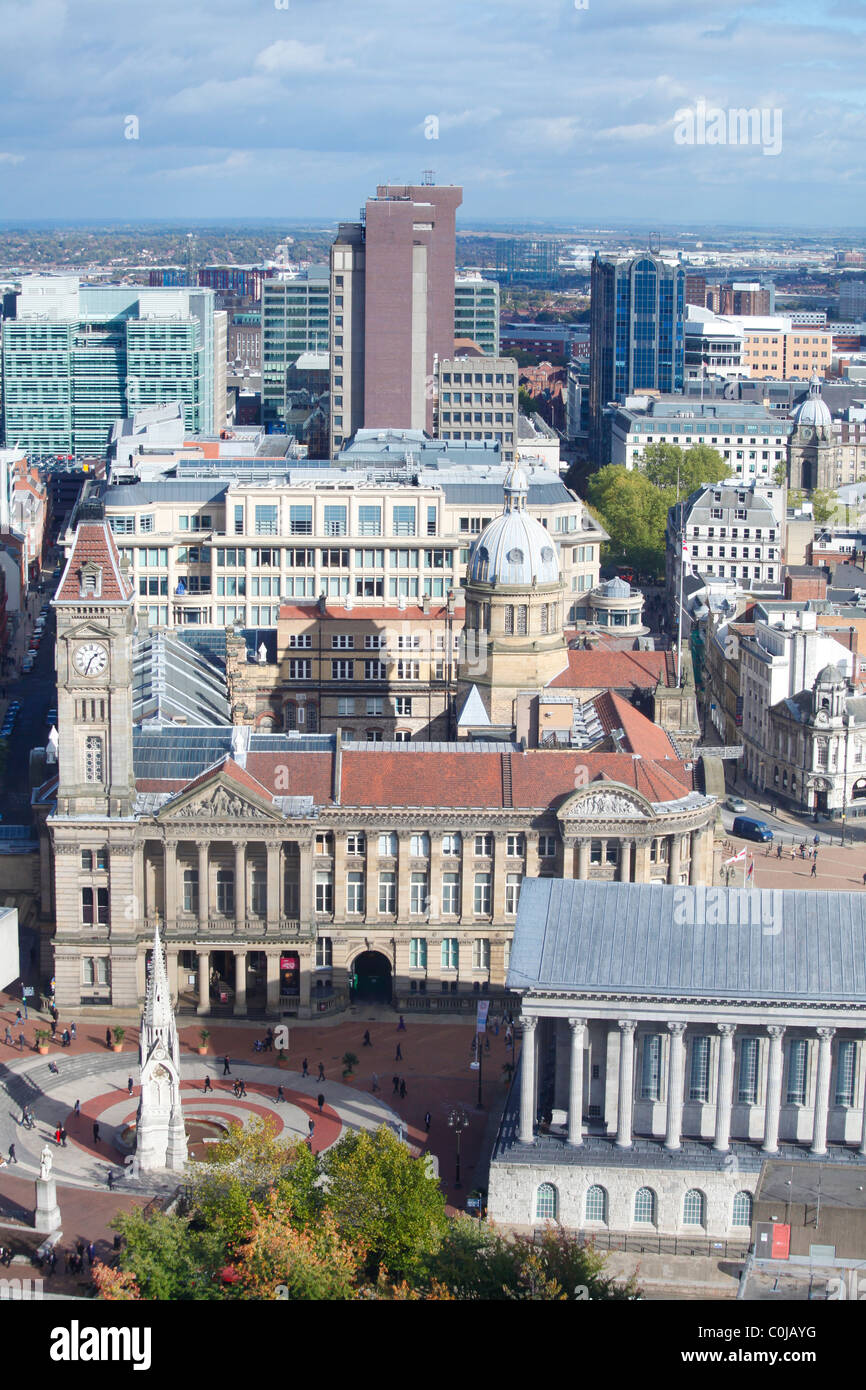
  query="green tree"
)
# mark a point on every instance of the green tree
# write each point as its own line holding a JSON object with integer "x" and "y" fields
{"x": 169, "y": 1259}
{"x": 382, "y": 1197}
{"x": 633, "y": 512}
{"x": 824, "y": 504}
{"x": 780, "y": 473}
{"x": 243, "y": 1168}
{"x": 696, "y": 466}
{"x": 278, "y": 1260}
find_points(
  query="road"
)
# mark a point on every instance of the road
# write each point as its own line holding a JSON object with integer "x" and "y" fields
{"x": 37, "y": 693}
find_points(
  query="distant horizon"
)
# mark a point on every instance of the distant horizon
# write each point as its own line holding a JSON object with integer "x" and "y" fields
{"x": 519, "y": 227}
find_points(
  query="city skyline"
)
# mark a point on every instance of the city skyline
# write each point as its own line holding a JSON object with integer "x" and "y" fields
{"x": 541, "y": 116}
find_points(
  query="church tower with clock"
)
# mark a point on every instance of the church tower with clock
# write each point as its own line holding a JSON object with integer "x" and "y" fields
{"x": 95, "y": 623}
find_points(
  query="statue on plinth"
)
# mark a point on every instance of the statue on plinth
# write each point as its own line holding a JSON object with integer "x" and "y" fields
{"x": 45, "y": 1165}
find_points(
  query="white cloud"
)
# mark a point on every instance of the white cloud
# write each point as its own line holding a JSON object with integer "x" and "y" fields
{"x": 290, "y": 55}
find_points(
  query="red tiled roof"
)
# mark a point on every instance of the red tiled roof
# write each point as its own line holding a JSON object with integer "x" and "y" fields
{"x": 607, "y": 670}
{"x": 641, "y": 734}
{"x": 94, "y": 543}
{"x": 236, "y": 773}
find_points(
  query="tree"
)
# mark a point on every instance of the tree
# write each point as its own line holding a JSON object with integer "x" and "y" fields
{"x": 477, "y": 1262}
{"x": 633, "y": 512}
{"x": 382, "y": 1197}
{"x": 167, "y": 1258}
{"x": 697, "y": 466}
{"x": 780, "y": 473}
{"x": 824, "y": 504}
{"x": 279, "y": 1260}
{"x": 243, "y": 1168}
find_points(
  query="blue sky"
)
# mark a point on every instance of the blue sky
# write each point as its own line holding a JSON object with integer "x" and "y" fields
{"x": 544, "y": 110}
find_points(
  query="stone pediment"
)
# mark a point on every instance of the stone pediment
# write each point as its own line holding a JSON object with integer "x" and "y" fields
{"x": 217, "y": 802}
{"x": 611, "y": 802}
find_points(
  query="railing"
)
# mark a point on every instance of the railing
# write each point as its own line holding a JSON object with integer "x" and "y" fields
{"x": 665, "y": 1245}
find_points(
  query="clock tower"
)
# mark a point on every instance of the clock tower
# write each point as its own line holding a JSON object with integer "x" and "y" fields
{"x": 95, "y": 623}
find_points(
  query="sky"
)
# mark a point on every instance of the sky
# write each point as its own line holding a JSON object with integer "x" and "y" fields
{"x": 567, "y": 109}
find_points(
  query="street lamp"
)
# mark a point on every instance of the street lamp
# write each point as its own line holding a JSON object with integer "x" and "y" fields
{"x": 458, "y": 1120}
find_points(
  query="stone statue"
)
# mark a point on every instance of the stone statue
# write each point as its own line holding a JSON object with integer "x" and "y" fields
{"x": 45, "y": 1166}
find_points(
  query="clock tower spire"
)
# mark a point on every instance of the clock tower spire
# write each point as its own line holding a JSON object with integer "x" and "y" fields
{"x": 95, "y": 625}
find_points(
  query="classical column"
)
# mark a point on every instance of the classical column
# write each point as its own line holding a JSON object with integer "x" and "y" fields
{"x": 624, "y": 869}
{"x": 273, "y": 889}
{"x": 676, "y": 1073}
{"x": 527, "y": 1081}
{"x": 169, "y": 874}
{"x": 499, "y": 874}
{"x": 695, "y": 858}
{"x": 272, "y": 964}
{"x": 583, "y": 858}
{"x": 240, "y": 982}
{"x": 203, "y": 1006}
{"x": 341, "y": 874}
{"x": 306, "y": 887}
{"x": 724, "y": 1087}
{"x": 241, "y": 884}
{"x": 575, "y": 1082}
{"x": 404, "y": 838}
{"x": 774, "y": 1089}
{"x": 203, "y": 896}
{"x": 642, "y": 861}
{"x": 625, "y": 1097}
{"x": 676, "y": 853}
{"x": 822, "y": 1091}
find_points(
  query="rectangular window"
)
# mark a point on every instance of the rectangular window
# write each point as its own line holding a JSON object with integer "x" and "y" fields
{"x": 483, "y": 846}
{"x": 515, "y": 846}
{"x": 346, "y": 705}
{"x": 369, "y": 521}
{"x": 190, "y": 890}
{"x": 356, "y": 843}
{"x": 266, "y": 520}
{"x": 342, "y": 670}
{"x": 335, "y": 520}
{"x": 93, "y": 763}
{"x": 512, "y": 894}
{"x": 651, "y": 1070}
{"x": 300, "y": 670}
{"x": 404, "y": 521}
{"x": 403, "y": 704}
{"x": 87, "y": 859}
{"x": 451, "y": 843}
{"x": 547, "y": 846}
{"x": 418, "y": 893}
{"x": 374, "y": 704}
{"x": 374, "y": 670}
{"x": 451, "y": 895}
{"x": 747, "y": 1091}
{"x": 388, "y": 892}
{"x": 450, "y": 954}
{"x": 324, "y": 893}
{"x": 699, "y": 1079}
{"x": 301, "y": 520}
{"x": 419, "y": 846}
{"x": 87, "y": 906}
{"x": 798, "y": 1057}
{"x": 324, "y": 953}
{"x": 845, "y": 1065}
{"x": 388, "y": 844}
{"x": 481, "y": 953}
{"x": 482, "y": 895}
{"x": 418, "y": 953}
{"x": 355, "y": 893}
{"x": 225, "y": 892}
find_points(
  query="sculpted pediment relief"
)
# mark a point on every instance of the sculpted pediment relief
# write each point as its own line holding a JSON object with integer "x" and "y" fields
{"x": 610, "y": 803}
{"x": 218, "y": 803}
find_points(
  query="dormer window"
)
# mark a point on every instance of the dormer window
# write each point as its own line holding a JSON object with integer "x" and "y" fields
{"x": 90, "y": 581}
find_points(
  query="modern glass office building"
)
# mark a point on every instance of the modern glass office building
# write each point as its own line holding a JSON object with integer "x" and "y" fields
{"x": 476, "y": 312}
{"x": 295, "y": 319}
{"x": 77, "y": 357}
{"x": 637, "y": 334}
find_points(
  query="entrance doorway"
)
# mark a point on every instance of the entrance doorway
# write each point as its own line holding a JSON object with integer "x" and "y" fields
{"x": 372, "y": 977}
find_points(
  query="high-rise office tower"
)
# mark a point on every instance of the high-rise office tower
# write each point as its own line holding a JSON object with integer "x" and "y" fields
{"x": 392, "y": 283}
{"x": 294, "y": 321}
{"x": 476, "y": 312}
{"x": 637, "y": 336}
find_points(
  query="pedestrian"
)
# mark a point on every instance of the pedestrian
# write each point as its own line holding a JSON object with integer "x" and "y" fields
{"x": 235, "y": 1088}
{"x": 108, "y": 1037}
{"x": 311, "y": 1127}
{"x": 129, "y": 1084}
{"x": 320, "y": 1099}
{"x": 401, "y": 1026}
{"x": 399, "y": 1054}
{"x": 72, "y": 1030}
{"x": 18, "y": 1016}
{"x": 280, "y": 1095}
{"x": 402, "y": 1089}
{"x": 496, "y": 1029}
{"x": 243, "y": 1089}
{"x": 814, "y": 869}
{"x": 864, "y": 880}
{"x": 95, "y": 1132}
{"x": 366, "y": 1042}
{"x": 227, "y": 1071}
{"x": 486, "y": 1043}
{"x": 91, "y": 1253}
{"x": 57, "y": 1136}
{"x": 817, "y": 839}
{"x": 65, "y": 1038}
{"x": 375, "y": 1085}
{"x": 53, "y": 1029}
{"x": 77, "y": 1107}
{"x": 63, "y": 1136}
{"x": 22, "y": 1042}
{"x": 305, "y": 1068}
{"x": 396, "y": 1084}
{"x": 52, "y": 1260}
{"x": 321, "y": 1075}
{"x": 110, "y": 1180}
{"x": 8, "y": 1039}
{"x": 427, "y": 1121}
{"x": 13, "y": 1157}
{"x": 779, "y": 850}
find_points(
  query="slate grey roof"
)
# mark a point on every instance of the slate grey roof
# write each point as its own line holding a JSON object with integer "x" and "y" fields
{"x": 171, "y": 680}
{"x": 647, "y": 940}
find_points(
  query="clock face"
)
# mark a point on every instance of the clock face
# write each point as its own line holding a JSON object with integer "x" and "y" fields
{"x": 91, "y": 658}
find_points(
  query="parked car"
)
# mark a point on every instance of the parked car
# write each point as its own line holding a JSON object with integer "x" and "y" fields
{"x": 736, "y": 803}
{"x": 750, "y": 829}
{"x": 51, "y": 717}
{"x": 28, "y": 663}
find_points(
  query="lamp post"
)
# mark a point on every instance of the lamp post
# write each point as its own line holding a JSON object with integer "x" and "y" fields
{"x": 477, "y": 1064}
{"x": 458, "y": 1120}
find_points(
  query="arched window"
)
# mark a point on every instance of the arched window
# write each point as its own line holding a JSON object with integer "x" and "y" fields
{"x": 742, "y": 1212}
{"x": 645, "y": 1206}
{"x": 694, "y": 1206}
{"x": 596, "y": 1204}
{"x": 545, "y": 1202}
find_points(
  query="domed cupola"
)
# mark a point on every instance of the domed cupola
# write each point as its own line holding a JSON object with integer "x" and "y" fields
{"x": 813, "y": 413}
{"x": 514, "y": 549}
{"x": 830, "y": 692}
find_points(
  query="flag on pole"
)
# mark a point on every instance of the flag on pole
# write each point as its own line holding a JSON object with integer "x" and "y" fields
{"x": 751, "y": 867}
{"x": 687, "y": 559}
{"x": 737, "y": 858}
